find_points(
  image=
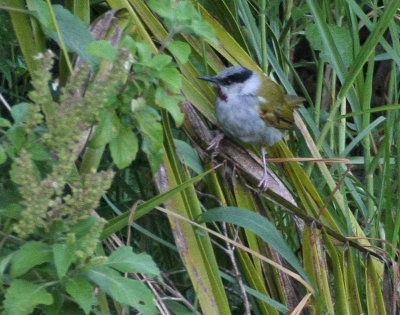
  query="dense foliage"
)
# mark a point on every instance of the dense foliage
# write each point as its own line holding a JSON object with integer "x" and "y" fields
{"x": 111, "y": 201}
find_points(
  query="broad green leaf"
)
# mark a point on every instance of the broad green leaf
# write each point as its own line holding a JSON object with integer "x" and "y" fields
{"x": 4, "y": 262}
{"x": 16, "y": 134}
{"x": 4, "y": 122}
{"x": 188, "y": 155}
{"x": 124, "y": 290}
{"x": 41, "y": 11}
{"x": 82, "y": 292}
{"x": 171, "y": 78}
{"x": 22, "y": 297}
{"x": 151, "y": 130}
{"x": 3, "y": 155}
{"x": 102, "y": 49}
{"x": 341, "y": 37}
{"x": 28, "y": 256}
{"x": 180, "y": 50}
{"x": 163, "y": 8}
{"x": 106, "y": 130}
{"x": 144, "y": 52}
{"x": 38, "y": 152}
{"x": 159, "y": 62}
{"x": 124, "y": 148}
{"x": 260, "y": 226}
{"x": 20, "y": 112}
{"x": 170, "y": 103}
{"x": 63, "y": 256}
{"x": 125, "y": 260}
{"x": 75, "y": 34}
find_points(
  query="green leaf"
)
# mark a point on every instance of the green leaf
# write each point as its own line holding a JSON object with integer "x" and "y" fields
{"x": 188, "y": 155}
{"x": 180, "y": 50}
{"x": 16, "y": 135}
{"x": 341, "y": 37}
{"x": 159, "y": 62}
{"x": 163, "y": 8}
{"x": 102, "y": 49}
{"x": 106, "y": 130}
{"x": 178, "y": 308}
{"x": 151, "y": 130}
{"x": 205, "y": 30}
{"x": 170, "y": 103}
{"x": 82, "y": 292}
{"x": 128, "y": 291}
{"x": 125, "y": 260}
{"x": 3, "y": 155}
{"x": 4, "y": 262}
{"x": 124, "y": 148}
{"x": 38, "y": 152}
{"x": 260, "y": 226}
{"x": 4, "y": 122}
{"x": 28, "y": 256}
{"x": 128, "y": 42}
{"x": 171, "y": 78}
{"x": 144, "y": 52}
{"x": 63, "y": 256}
{"x": 74, "y": 32}
{"x": 22, "y": 297}
{"x": 20, "y": 112}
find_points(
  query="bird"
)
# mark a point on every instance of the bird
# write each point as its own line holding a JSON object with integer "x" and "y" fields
{"x": 252, "y": 108}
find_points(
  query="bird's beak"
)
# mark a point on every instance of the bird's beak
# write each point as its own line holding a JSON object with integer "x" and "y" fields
{"x": 210, "y": 79}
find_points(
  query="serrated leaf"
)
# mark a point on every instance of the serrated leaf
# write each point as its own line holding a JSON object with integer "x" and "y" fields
{"x": 204, "y": 29}
{"x": 75, "y": 34}
{"x": 171, "y": 78}
{"x": 125, "y": 260}
{"x": 159, "y": 62}
{"x": 38, "y": 152}
{"x": 260, "y": 226}
{"x": 162, "y": 8}
{"x": 20, "y": 112}
{"x": 102, "y": 49}
{"x": 28, "y": 256}
{"x": 106, "y": 130}
{"x": 22, "y": 297}
{"x": 82, "y": 292}
{"x": 16, "y": 135}
{"x": 129, "y": 43}
{"x": 341, "y": 37}
{"x": 124, "y": 290}
{"x": 124, "y": 148}
{"x": 144, "y": 52}
{"x": 40, "y": 10}
{"x": 180, "y": 50}
{"x": 4, "y": 122}
{"x": 63, "y": 256}
{"x": 170, "y": 103}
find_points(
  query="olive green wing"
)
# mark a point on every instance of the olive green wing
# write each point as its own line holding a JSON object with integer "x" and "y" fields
{"x": 276, "y": 108}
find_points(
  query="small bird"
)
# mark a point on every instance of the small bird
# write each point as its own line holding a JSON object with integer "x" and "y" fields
{"x": 252, "y": 108}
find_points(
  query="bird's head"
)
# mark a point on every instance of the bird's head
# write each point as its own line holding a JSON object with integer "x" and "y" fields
{"x": 235, "y": 80}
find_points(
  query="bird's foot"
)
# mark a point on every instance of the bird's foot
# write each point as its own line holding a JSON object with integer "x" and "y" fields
{"x": 215, "y": 142}
{"x": 263, "y": 183}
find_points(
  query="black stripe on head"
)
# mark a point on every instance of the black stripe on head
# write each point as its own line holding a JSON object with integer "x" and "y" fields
{"x": 238, "y": 77}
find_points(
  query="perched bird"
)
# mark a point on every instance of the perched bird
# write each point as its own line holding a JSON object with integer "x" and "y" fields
{"x": 253, "y": 108}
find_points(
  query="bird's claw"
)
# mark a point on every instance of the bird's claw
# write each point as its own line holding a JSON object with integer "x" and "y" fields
{"x": 263, "y": 183}
{"x": 215, "y": 142}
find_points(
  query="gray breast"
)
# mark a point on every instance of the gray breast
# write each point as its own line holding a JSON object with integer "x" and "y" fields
{"x": 239, "y": 118}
